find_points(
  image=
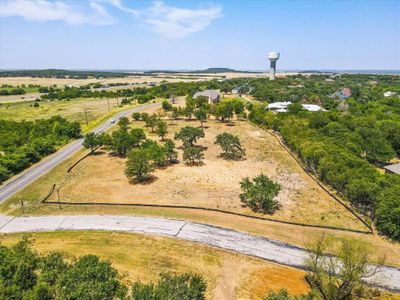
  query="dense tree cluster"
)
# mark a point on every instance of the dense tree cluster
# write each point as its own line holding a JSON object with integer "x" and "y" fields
{"x": 24, "y": 143}
{"x": 26, "y": 275}
{"x": 344, "y": 150}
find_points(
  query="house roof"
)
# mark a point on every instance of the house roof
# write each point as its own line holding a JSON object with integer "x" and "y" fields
{"x": 211, "y": 94}
{"x": 313, "y": 107}
{"x": 279, "y": 105}
{"x": 395, "y": 168}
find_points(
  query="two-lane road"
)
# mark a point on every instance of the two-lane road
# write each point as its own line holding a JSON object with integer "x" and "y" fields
{"x": 20, "y": 181}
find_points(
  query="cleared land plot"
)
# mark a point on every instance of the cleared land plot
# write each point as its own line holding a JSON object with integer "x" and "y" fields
{"x": 140, "y": 257}
{"x": 216, "y": 184}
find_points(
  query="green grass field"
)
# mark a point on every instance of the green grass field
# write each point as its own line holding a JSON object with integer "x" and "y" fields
{"x": 73, "y": 110}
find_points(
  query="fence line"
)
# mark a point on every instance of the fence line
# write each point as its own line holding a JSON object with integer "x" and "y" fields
{"x": 204, "y": 209}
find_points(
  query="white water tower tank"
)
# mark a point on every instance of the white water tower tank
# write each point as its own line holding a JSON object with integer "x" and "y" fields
{"x": 273, "y": 57}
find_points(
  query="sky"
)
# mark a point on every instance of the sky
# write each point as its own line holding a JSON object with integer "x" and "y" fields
{"x": 198, "y": 34}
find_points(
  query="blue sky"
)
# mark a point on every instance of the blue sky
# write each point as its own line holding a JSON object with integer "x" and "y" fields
{"x": 197, "y": 34}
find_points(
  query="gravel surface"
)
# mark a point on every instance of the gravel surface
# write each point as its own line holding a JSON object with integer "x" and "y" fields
{"x": 387, "y": 277}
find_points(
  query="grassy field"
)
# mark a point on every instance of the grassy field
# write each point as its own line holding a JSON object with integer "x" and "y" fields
{"x": 107, "y": 176}
{"x": 73, "y": 110}
{"x": 142, "y": 257}
{"x": 176, "y": 77}
{"x": 216, "y": 184}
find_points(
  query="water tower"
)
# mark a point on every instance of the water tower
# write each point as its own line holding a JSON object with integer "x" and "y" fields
{"x": 273, "y": 57}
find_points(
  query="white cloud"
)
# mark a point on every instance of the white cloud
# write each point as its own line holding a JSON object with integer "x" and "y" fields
{"x": 175, "y": 22}
{"x": 45, "y": 10}
{"x": 169, "y": 21}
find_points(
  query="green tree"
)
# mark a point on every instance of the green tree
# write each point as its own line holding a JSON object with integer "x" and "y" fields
{"x": 91, "y": 141}
{"x": 230, "y": 145}
{"x": 138, "y": 166}
{"x": 341, "y": 276}
{"x": 295, "y": 108}
{"x": 123, "y": 122}
{"x": 121, "y": 142}
{"x": 90, "y": 278}
{"x": 136, "y": 116}
{"x": 193, "y": 155}
{"x": 170, "y": 287}
{"x": 170, "y": 152}
{"x": 152, "y": 122}
{"x": 161, "y": 129}
{"x": 259, "y": 194}
{"x": 284, "y": 295}
{"x": 388, "y": 212}
{"x": 166, "y": 105}
{"x": 137, "y": 135}
{"x": 189, "y": 135}
{"x": 201, "y": 115}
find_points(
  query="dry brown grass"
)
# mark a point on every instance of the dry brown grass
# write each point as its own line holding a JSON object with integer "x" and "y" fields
{"x": 142, "y": 257}
{"x": 215, "y": 184}
{"x": 108, "y": 170}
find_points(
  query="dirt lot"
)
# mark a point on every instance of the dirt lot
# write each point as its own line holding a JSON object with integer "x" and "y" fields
{"x": 216, "y": 184}
{"x": 141, "y": 257}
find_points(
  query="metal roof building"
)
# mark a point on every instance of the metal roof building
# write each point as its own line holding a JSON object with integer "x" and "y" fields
{"x": 212, "y": 95}
{"x": 393, "y": 169}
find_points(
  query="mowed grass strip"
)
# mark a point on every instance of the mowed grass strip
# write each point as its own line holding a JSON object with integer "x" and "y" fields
{"x": 142, "y": 257}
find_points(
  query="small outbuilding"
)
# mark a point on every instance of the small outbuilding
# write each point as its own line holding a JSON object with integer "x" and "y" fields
{"x": 212, "y": 95}
{"x": 392, "y": 169}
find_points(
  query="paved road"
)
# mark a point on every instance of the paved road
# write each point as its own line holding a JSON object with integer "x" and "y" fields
{"x": 227, "y": 239}
{"x": 18, "y": 183}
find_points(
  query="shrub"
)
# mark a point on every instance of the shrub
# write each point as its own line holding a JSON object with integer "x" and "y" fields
{"x": 230, "y": 144}
{"x": 193, "y": 155}
{"x": 183, "y": 287}
{"x": 138, "y": 166}
{"x": 189, "y": 135}
{"x": 259, "y": 194}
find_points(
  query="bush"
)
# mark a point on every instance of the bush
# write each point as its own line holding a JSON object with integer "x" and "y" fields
{"x": 259, "y": 194}
{"x": 170, "y": 287}
{"x": 138, "y": 166}
{"x": 230, "y": 144}
{"x": 193, "y": 155}
{"x": 189, "y": 135}
{"x": 136, "y": 116}
{"x": 166, "y": 105}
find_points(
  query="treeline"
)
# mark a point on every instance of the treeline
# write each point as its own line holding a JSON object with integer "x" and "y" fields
{"x": 143, "y": 95}
{"x": 27, "y": 275}
{"x": 54, "y": 73}
{"x": 24, "y": 143}
{"x": 344, "y": 150}
{"x": 317, "y": 89}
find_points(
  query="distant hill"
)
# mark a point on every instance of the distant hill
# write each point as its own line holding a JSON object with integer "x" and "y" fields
{"x": 56, "y": 73}
{"x": 83, "y": 74}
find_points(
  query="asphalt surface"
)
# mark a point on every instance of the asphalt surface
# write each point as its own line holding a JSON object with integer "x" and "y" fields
{"x": 387, "y": 277}
{"x": 19, "y": 182}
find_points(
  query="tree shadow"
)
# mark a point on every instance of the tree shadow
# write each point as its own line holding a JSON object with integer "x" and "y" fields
{"x": 149, "y": 180}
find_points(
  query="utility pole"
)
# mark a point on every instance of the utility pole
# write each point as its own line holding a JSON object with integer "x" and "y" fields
{"x": 117, "y": 102}
{"x": 108, "y": 103}
{"x": 87, "y": 122}
{"x": 22, "y": 205}
{"x": 58, "y": 198}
